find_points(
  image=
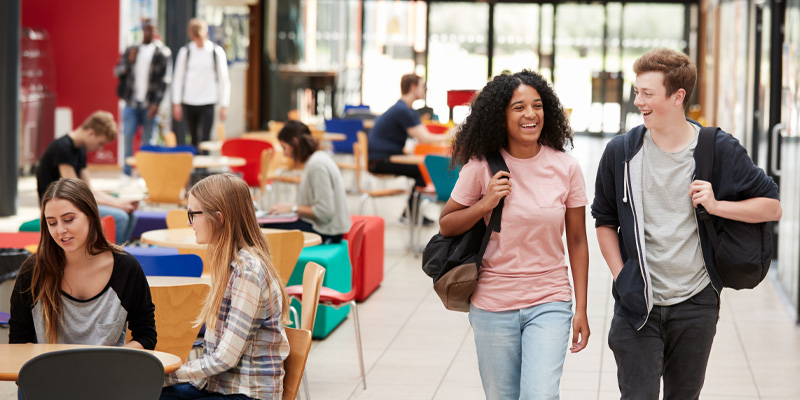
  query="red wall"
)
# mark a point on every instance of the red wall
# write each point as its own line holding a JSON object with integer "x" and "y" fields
{"x": 85, "y": 38}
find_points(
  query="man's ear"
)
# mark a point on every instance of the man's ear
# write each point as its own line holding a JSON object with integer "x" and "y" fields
{"x": 680, "y": 97}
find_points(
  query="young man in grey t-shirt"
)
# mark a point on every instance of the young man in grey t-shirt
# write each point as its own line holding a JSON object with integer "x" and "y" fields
{"x": 666, "y": 286}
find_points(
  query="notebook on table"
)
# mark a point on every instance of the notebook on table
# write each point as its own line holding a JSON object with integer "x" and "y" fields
{"x": 265, "y": 217}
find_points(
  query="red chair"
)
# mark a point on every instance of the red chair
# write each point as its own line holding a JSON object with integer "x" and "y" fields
{"x": 335, "y": 299}
{"x": 250, "y": 150}
{"x": 109, "y": 228}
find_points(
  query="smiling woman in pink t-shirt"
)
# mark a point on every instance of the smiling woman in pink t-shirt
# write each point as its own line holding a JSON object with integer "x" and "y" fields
{"x": 522, "y": 308}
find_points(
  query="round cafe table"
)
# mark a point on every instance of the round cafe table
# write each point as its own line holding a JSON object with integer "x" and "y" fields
{"x": 205, "y": 161}
{"x": 183, "y": 238}
{"x": 14, "y": 356}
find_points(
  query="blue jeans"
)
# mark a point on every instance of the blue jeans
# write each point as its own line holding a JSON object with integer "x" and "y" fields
{"x": 183, "y": 391}
{"x": 131, "y": 119}
{"x": 124, "y": 222}
{"x": 521, "y": 352}
{"x": 675, "y": 343}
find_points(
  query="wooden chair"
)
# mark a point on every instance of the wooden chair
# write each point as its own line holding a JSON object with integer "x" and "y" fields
{"x": 295, "y": 363}
{"x": 170, "y": 140}
{"x": 313, "y": 275}
{"x": 221, "y": 132}
{"x": 165, "y": 175}
{"x": 285, "y": 248}
{"x": 361, "y": 156}
{"x": 176, "y": 309}
{"x": 177, "y": 219}
{"x": 332, "y": 298}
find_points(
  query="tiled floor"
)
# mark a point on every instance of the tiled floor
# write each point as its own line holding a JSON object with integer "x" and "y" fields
{"x": 415, "y": 349}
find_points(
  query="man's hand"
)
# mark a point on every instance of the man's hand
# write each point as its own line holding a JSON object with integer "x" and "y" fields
{"x": 128, "y": 206}
{"x": 177, "y": 112}
{"x": 152, "y": 110}
{"x": 223, "y": 113}
{"x": 132, "y": 54}
{"x": 702, "y": 193}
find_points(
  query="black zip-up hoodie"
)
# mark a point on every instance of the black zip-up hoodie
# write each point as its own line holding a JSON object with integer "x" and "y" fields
{"x": 618, "y": 204}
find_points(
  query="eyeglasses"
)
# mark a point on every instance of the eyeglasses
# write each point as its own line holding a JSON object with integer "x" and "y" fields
{"x": 191, "y": 215}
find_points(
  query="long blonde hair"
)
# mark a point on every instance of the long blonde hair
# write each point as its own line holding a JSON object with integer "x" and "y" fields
{"x": 237, "y": 229}
{"x": 48, "y": 271}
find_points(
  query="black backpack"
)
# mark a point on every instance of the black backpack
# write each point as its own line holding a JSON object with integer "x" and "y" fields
{"x": 742, "y": 251}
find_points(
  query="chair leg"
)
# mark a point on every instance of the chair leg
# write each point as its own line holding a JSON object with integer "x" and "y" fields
{"x": 296, "y": 317}
{"x": 305, "y": 386}
{"x": 358, "y": 343}
{"x": 361, "y": 203}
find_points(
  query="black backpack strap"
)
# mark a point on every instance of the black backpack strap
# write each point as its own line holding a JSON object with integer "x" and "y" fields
{"x": 704, "y": 160}
{"x": 497, "y": 164}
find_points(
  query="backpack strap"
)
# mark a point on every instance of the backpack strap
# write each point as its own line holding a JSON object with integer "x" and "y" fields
{"x": 704, "y": 160}
{"x": 497, "y": 164}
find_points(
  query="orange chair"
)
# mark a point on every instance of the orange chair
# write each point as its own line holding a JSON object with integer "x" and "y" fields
{"x": 423, "y": 149}
{"x": 333, "y": 298}
{"x": 109, "y": 228}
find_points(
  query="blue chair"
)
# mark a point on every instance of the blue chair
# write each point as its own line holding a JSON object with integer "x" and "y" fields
{"x": 443, "y": 179}
{"x": 349, "y": 127}
{"x": 190, "y": 265}
{"x": 182, "y": 148}
{"x": 4, "y": 317}
{"x": 356, "y": 109}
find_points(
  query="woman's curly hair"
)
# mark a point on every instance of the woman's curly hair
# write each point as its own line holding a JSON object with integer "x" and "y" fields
{"x": 484, "y": 129}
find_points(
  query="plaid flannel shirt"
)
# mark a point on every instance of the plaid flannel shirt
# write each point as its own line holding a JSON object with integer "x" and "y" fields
{"x": 160, "y": 75}
{"x": 244, "y": 354}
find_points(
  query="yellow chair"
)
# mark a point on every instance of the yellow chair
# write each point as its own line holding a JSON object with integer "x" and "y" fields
{"x": 177, "y": 219}
{"x": 361, "y": 157}
{"x": 285, "y": 248}
{"x": 295, "y": 363}
{"x": 177, "y": 306}
{"x": 165, "y": 175}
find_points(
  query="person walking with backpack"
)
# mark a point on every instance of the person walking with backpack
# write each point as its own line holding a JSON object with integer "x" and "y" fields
{"x": 666, "y": 287}
{"x": 200, "y": 81}
{"x": 522, "y": 308}
{"x": 144, "y": 71}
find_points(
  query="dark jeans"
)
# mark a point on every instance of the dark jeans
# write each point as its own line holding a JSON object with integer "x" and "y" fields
{"x": 305, "y": 227}
{"x": 384, "y": 166}
{"x": 184, "y": 391}
{"x": 675, "y": 343}
{"x": 199, "y": 120}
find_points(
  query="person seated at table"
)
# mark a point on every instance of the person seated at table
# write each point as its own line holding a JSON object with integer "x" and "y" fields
{"x": 245, "y": 342}
{"x": 79, "y": 288}
{"x": 388, "y": 136}
{"x": 65, "y": 157}
{"x": 321, "y": 199}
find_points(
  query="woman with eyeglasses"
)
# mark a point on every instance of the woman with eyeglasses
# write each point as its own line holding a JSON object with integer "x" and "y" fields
{"x": 245, "y": 343}
{"x": 79, "y": 288}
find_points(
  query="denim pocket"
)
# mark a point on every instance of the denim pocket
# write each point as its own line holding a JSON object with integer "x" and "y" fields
{"x": 706, "y": 297}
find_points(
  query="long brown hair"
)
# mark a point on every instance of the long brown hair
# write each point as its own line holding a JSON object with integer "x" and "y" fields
{"x": 297, "y": 135}
{"x": 48, "y": 271}
{"x": 236, "y": 229}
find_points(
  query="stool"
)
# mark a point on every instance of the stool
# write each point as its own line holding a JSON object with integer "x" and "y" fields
{"x": 148, "y": 221}
{"x": 30, "y": 226}
{"x": 372, "y": 256}
{"x": 337, "y": 276}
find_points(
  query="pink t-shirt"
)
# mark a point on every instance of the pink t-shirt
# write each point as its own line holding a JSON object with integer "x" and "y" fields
{"x": 524, "y": 263}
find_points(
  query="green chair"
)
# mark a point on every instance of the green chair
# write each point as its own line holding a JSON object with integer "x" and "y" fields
{"x": 30, "y": 226}
{"x": 334, "y": 258}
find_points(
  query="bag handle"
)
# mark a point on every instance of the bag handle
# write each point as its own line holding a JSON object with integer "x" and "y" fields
{"x": 705, "y": 150}
{"x": 496, "y": 164}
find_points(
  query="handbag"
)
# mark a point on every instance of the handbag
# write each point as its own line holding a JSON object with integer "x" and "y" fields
{"x": 742, "y": 251}
{"x": 453, "y": 262}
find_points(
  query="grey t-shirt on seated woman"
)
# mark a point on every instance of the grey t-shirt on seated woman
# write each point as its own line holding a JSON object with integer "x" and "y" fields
{"x": 322, "y": 188}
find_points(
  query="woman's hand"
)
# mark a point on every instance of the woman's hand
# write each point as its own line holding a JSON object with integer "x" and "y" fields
{"x": 580, "y": 330}
{"x": 499, "y": 187}
{"x": 280, "y": 208}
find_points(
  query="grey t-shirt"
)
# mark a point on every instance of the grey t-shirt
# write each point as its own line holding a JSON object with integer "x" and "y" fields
{"x": 322, "y": 188}
{"x": 674, "y": 256}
